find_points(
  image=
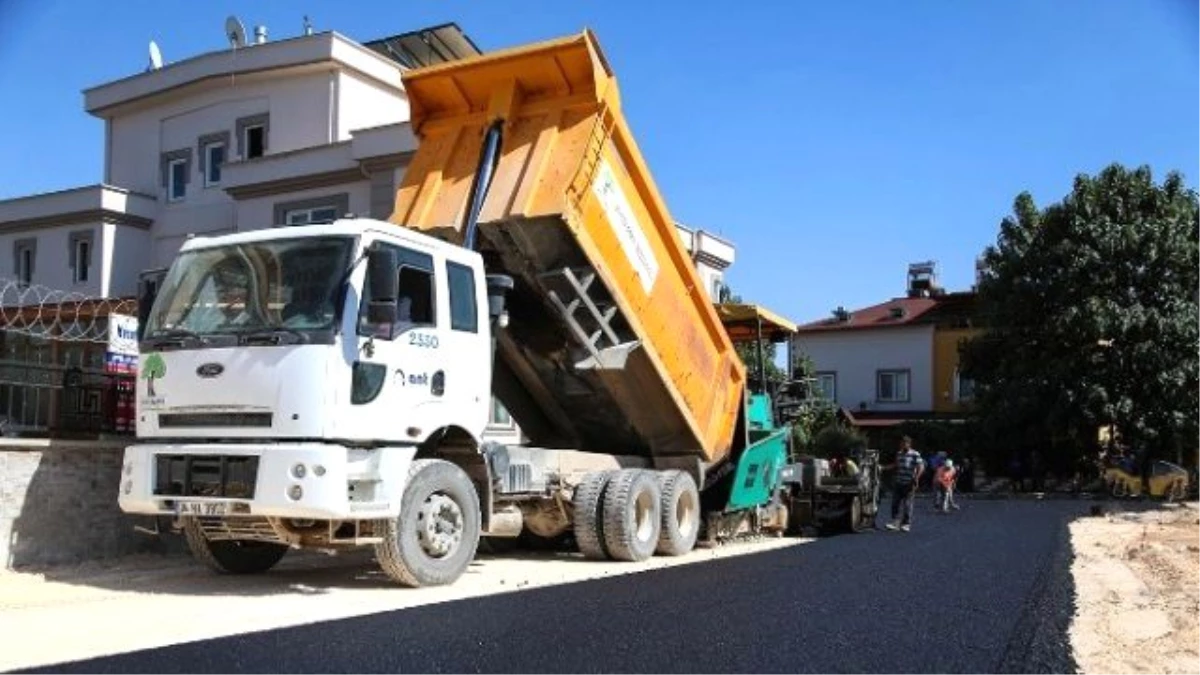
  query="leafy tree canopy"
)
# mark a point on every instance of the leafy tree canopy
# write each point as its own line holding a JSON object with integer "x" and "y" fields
{"x": 1090, "y": 314}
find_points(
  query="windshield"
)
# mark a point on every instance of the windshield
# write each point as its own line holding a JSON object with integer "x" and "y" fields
{"x": 290, "y": 284}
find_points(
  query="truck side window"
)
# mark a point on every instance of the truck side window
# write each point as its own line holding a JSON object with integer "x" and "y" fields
{"x": 463, "y": 314}
{"x": 415, "y": 302}
{"x": 416, "y": 305}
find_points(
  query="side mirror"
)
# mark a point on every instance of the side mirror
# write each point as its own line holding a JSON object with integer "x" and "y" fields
{"x": 147, "y": 293}
{"x": 383, "y": 282}
{"x": 382, "y": 275}
{"x": 381, "y": 312}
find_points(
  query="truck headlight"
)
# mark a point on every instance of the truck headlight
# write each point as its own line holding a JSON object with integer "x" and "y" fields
{"x": 299, "y": 471}
{"x": 295, "y": 492}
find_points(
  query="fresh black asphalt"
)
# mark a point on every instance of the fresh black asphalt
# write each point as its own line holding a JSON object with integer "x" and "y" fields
{"x": 986, "y": 589}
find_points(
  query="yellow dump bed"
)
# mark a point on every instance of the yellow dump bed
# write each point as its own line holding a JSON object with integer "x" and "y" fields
{"x": 613, "y": 344}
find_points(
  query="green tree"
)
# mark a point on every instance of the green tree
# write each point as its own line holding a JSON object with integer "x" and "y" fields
{"x": 1090, "y": 313}
{"x": 153, "y": 368}
{"x": 816, "y": 413}
{"x": 836, "y": 440}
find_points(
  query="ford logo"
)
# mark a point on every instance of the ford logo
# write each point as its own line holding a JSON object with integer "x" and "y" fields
{"x": 210, "y": 370}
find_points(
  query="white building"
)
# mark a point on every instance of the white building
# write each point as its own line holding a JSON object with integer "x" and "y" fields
{"x": 272, "y": 133}
{"x": 895, "y": 361}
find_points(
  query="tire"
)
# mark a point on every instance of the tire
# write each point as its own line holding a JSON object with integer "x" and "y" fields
{"x": 679, "y": 509}
{"x": 435, "y": 537}
{"x": 871, "y": 508}
{"x": 1118, "y": 489}
{"x": 632, "y": 521}
{"x": 588, "y": 503}
{"x": 1177, "y": 492}
{"x": 856, "y": 515}
{"x": 231, "y": 556}
{"x": 799, "y": 516}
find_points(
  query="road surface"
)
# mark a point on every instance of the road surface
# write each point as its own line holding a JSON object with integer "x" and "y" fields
{"x": 986, "y": 589}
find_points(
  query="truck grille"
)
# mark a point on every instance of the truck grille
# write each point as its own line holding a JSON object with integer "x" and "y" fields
{"x": 206, "y": 476}
{"x": 213, "y": 420}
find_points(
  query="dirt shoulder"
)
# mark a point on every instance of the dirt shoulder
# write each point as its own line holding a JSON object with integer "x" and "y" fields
{"x": 1137, "y": 587}
{"x": 149, "y": 601}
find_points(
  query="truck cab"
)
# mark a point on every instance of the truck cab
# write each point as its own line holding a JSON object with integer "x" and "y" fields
{"x": 293, "y": 375}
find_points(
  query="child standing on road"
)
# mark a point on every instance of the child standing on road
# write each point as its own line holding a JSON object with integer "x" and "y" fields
{"x": 943, "y": 482}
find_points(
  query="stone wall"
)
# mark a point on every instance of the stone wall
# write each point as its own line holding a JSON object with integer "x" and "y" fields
{"x": 58, "y": 504}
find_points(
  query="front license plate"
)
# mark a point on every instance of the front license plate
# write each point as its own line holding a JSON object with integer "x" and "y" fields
{"x": 201, "y": 508}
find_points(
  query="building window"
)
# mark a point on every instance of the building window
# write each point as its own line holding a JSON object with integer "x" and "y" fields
{"x": 827, "y": 386}
{"x": 320, "y": 214}
{"x": 80, "y": 256}
{"x": 964, "y": 388}
{"x": 891, "y": 386}
{"x": 176, "y": 172}
{"x": 214, "y": 158}
{"x": 256, "y": 141}
{"x": 214, "y": 152}
{"x": 177, "y": 179}
{"x": 308, "y": 211}
{"x": 252, "y": 135}
{"x": 24, "y": 257}
{"x": 500, "y": 416}
{"x": 463, "y": 314}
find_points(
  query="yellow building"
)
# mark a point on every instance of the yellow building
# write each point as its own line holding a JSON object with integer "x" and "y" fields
{"x": 952, "y": 326}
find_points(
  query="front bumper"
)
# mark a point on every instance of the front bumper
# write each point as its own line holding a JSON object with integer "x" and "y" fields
{"x": 317, "y": 481}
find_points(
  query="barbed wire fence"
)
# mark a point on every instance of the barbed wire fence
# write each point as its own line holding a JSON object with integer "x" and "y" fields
{"x": 53, "y": 314}
{"x": 78, "y": 386}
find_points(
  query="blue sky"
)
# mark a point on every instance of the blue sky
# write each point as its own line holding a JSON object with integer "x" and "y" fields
{"x": 833, "y": 142}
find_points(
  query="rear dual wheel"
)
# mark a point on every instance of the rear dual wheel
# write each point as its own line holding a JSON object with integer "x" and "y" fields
{"x": 632, "y": 514}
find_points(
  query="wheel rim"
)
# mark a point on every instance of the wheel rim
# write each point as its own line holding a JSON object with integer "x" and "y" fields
{"x": 440, "y": 525}
{"x": 643, "y": 514}
{"x": 685, "y": 513}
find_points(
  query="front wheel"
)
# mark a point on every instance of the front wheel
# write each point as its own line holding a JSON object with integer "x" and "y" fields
{"x": 1177, "y": 492}
{"x": 231, "y": 556}
{"x": 434, "y": 538}
{"x": 856, "y": 514}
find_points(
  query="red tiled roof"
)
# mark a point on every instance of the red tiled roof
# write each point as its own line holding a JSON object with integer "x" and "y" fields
{"x": 912, "y": 311}
{"x": 875, "y": 316}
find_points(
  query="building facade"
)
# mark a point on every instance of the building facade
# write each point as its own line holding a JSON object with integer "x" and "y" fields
{"x": 896, "y": 361}
{"x": 270, "y": 134}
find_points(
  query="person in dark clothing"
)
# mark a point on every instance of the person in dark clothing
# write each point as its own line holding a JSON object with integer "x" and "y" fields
{"x": 908, "y": 466}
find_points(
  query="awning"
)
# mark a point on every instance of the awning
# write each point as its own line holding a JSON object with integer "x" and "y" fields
{"x": 742, "y": 322}
{"x": 882, "y": 419}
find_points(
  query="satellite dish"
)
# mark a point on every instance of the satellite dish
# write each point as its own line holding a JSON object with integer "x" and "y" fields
{"x": 235, "y": 31}
{"x": 155, "y": 56}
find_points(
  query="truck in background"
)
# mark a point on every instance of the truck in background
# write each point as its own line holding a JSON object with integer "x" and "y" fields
{"x": 327, "y": 386}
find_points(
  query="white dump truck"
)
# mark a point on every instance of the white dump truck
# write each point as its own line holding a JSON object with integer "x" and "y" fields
{"x": 328, "y": 386}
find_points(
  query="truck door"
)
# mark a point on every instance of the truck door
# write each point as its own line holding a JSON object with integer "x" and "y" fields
{"x": 467, "y": 347}
{"x": 396, "y": 374}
